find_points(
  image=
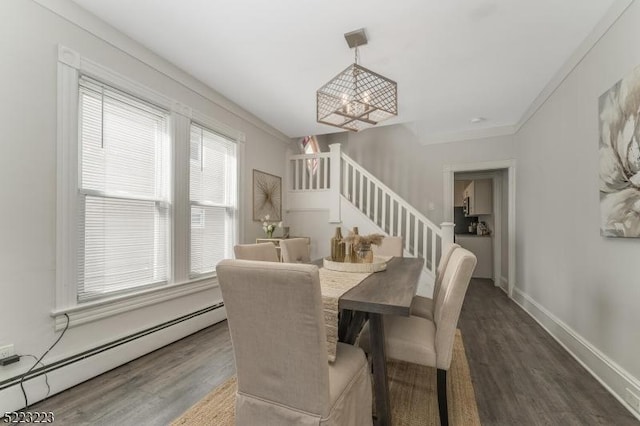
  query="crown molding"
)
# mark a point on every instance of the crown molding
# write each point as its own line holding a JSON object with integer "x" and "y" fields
{"x": 613, "y": 14}
{"x": 83, "y": 19}
{"x": 465, "y": 135}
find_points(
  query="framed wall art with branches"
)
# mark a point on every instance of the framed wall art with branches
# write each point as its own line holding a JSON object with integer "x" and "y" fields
{"x": 267, "y": 196}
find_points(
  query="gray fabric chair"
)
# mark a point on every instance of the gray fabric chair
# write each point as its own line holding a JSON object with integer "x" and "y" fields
{"x": 422, "y": 341}
{"x": 278, "y": 333}
{"x": 423, "y": 306}
{"x": 391, "y": 246}
{"x": 265, "y": 252}
{"x": 295, "y": 250}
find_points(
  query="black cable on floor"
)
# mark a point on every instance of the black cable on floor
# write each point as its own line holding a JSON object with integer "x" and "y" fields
{"x": 39, "y": 361}
{"x": 46, "y": 377}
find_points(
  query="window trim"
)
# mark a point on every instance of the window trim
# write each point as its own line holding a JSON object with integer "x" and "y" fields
{"x": 234, "y": 206}
{"x": 70, "y": 66}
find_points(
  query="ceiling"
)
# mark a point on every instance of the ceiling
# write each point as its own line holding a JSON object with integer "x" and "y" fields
{"x": 453, "y": 60}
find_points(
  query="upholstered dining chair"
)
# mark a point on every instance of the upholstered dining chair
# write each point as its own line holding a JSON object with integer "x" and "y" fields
{"x": 295, "y": 250}
{"x": 265, "y": 252}
{"x": 278, "y": 334}
{"x": 391, "y": 246}
{"x": 423, "y": 306}
{"x": 430, "y": 342}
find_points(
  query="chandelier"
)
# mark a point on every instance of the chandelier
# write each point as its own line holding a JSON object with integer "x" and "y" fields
{"x": 357, "y": 98}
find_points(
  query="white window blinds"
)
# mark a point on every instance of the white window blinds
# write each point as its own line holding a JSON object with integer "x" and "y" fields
{"x": 124, "y": 192}
{"x": 213, "y": 190}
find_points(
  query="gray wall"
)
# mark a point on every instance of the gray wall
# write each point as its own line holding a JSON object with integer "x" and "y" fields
{"x": 415, "y": 171}
{"x": 584, "y": 288}
{"x": 29, "y": 36}
{"x": 588, "y": 282}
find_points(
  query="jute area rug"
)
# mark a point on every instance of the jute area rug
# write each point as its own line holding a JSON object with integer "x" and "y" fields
{"x": 412, "y": 388}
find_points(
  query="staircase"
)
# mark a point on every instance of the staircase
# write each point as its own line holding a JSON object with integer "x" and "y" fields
{"x": 336, "y": 182}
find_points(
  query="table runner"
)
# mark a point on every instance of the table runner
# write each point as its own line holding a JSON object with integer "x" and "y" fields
{"x": 334, "y": 284}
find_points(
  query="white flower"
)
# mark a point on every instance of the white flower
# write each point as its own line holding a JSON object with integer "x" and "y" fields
{"x": 269, "y": 227}
{"x": 620, "y": 158}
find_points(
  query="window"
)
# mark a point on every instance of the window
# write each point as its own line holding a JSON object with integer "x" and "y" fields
{"x": 124, "y": 192}
{"x": 213, "y": 198}
{"x": 310, "y": 146}
{"x": 147, "y": 194}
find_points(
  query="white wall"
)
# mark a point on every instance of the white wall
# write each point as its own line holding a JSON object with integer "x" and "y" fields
{"x": 584, "y": 288}
{"x": 29, "y": 36}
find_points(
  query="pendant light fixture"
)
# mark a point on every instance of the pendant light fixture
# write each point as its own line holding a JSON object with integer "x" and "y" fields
{"x": 357, "y": 98}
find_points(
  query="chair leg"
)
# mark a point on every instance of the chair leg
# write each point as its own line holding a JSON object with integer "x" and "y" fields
{"x": 442, "y": 397}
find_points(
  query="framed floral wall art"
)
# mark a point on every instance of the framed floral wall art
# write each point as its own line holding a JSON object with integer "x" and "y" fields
{"x": 619, "y": 148}
{"x": 267, "y": 196}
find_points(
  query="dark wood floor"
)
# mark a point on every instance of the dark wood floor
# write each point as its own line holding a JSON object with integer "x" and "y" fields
{"x": 520, "y": 374}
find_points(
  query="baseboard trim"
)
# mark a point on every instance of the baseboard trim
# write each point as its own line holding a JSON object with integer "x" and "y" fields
{"x": 504, "y": 284}
{"x": 613, "y": 377}
{"x": 87, "y": 365}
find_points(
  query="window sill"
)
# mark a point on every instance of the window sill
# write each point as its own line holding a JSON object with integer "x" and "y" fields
{"x": 93, "y": 311}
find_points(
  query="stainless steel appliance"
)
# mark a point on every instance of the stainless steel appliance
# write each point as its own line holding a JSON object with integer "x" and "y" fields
{"x": 465, "y": 206}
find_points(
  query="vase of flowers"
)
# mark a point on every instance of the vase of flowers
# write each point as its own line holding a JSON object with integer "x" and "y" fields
{"x": 362, "y": 246}
{"x": 269, "y": 227}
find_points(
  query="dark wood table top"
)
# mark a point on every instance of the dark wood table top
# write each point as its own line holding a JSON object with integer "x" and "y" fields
{"x": 386, "y": 292}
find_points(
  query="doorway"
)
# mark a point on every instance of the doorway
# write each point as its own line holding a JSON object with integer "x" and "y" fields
{"x": 502, "y": 176}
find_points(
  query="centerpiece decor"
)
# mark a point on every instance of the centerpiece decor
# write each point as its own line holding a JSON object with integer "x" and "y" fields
{"x": 361, "y": 244}
{"x": 337, "y": 246}
{"x": 269, "y": 227}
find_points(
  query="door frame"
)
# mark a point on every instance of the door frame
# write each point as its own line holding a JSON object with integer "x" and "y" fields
{"x": 449, "y": 171}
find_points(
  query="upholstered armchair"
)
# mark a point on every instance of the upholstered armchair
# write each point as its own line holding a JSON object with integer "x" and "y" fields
{"x": 275, "y": 317}
{"x": 265, "y": 252}
{"x": 430, "y": 342}
{"x": 295, "y": 250}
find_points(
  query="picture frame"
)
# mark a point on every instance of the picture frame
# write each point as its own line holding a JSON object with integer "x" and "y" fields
{"x": 267, "y": 196}
{"x": 619, "y": 149}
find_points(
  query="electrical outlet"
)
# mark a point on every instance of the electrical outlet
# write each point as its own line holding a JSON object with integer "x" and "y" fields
{"x": 6, "y": 351}
{"x": 633, "y": 400}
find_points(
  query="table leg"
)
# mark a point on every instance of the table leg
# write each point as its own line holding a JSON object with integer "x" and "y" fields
{"x": 346, "y": 315}
{"x": 378, "y": 359}
{"x": 350, "y": 325}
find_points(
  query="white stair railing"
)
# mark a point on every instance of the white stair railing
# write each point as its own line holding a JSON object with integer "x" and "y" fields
{"x": 310, "y": 172}
{"x": 395, "y": 216}
{"x": 333, "y": 174}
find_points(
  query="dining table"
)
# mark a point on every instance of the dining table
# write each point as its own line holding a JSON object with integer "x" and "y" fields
{"x": 387, "y": 292}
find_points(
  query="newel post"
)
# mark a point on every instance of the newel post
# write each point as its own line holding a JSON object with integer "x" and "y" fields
{"x": 334, "y": 182}
{"x": 288, "y": 179}
{"x": 447, "y": 235}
